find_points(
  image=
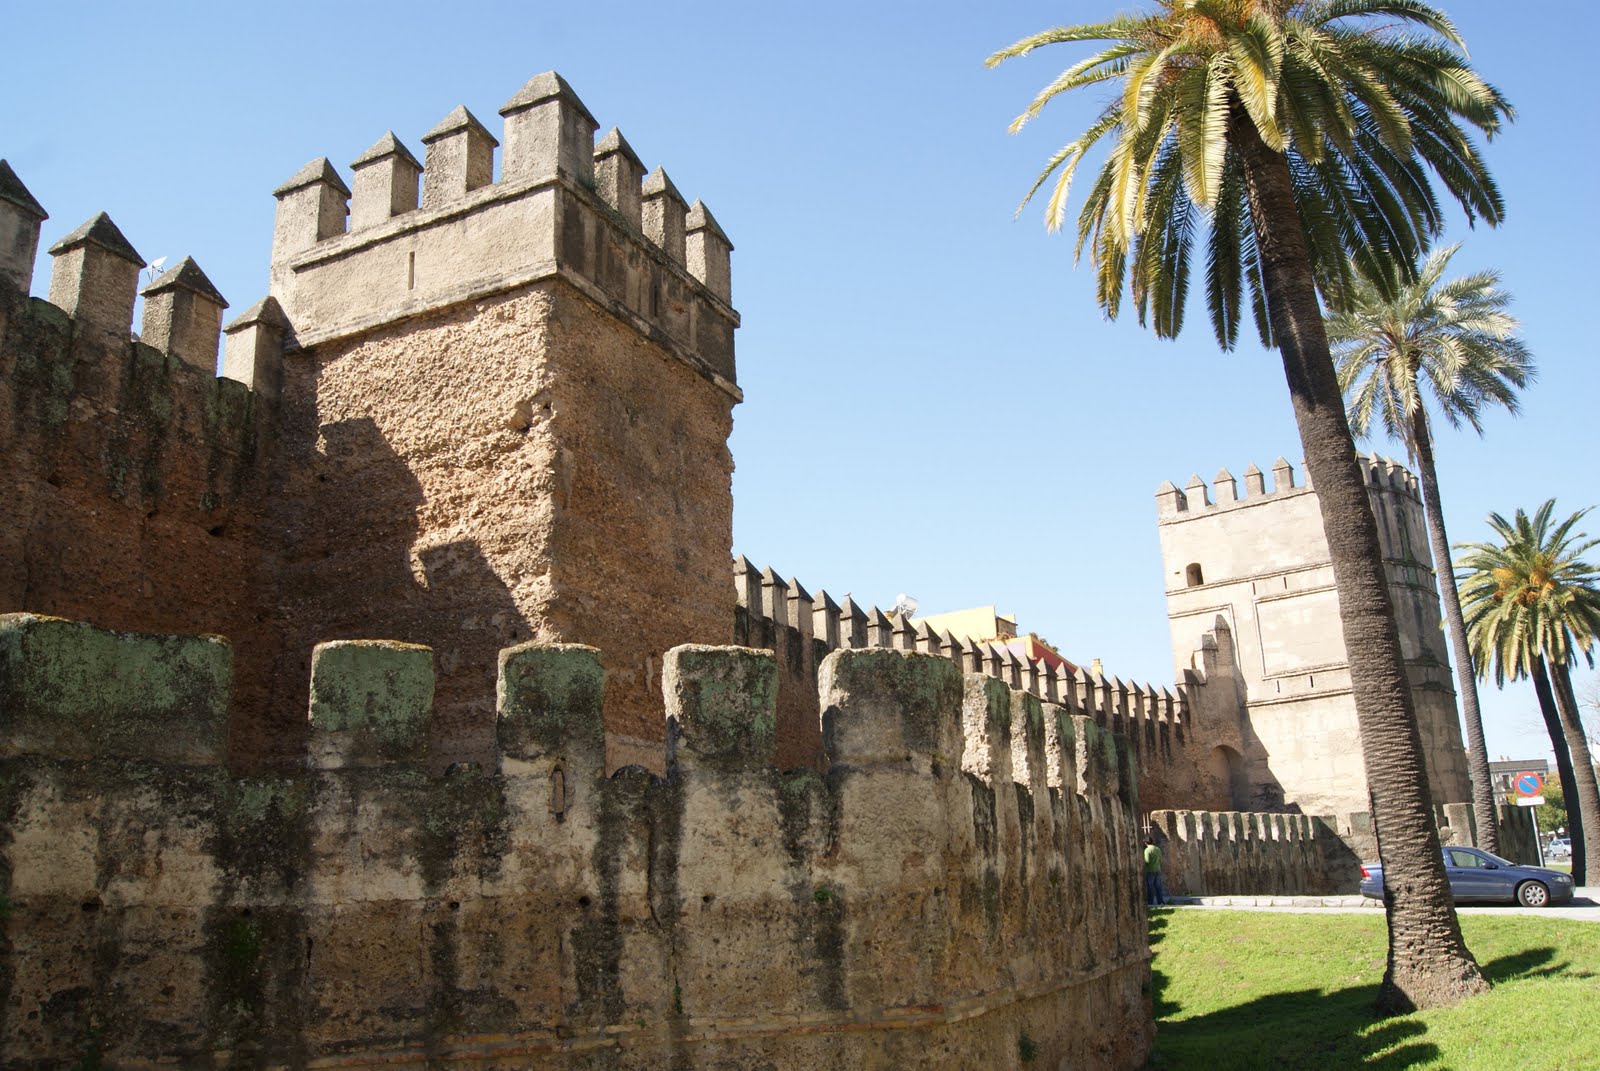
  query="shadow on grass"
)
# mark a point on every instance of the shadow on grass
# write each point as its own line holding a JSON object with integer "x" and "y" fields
{"x": 1161, "y": 1007}
{"x": 1308, "y": 1028}
{"x": 1531, "y": 963}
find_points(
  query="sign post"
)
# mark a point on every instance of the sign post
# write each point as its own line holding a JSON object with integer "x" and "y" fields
{"x": 1529, "y": 789}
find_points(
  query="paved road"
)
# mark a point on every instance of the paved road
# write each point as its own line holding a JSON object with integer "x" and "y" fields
{"x": 1584, "y": 907}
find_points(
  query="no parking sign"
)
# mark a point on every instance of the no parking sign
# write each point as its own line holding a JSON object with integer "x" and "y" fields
{"x": 1529, "y": 787}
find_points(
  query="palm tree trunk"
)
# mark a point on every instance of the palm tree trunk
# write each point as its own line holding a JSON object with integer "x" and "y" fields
{"x": 1582, "y": 772}
{"x": 1455, "y": 625}
{"x": 1429, "y": 964}
{"x": 1564, "y": 770}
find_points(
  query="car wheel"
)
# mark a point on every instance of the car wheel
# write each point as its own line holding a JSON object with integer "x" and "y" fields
{"x": 1532, "y": 894}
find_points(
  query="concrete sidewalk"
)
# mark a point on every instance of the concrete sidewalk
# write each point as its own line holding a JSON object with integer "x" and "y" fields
{"x": 1584, "y": 905}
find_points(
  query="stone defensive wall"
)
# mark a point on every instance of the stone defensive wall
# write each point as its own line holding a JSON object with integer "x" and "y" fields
{"x": 956, "y": 885}
{"x": 1171, "y": 736}
{"x": 802, "y": 629}
{"x": 487, "y": 400}
{"x": 1206, "y": 853}
{"x": 132, "y": 471}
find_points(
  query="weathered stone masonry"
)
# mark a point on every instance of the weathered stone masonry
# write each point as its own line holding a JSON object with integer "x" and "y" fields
{"x": 1169, "y": 731}
{"x": 1174, "y": 737}
{"x": 493, "y": 411}
{"x": 958, "y": 883}
{"x": 483, "y": 412}
{"x": 132, "y": 475}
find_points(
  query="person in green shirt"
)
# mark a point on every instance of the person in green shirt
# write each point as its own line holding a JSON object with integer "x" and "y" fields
{"x": 1155, "y": 887}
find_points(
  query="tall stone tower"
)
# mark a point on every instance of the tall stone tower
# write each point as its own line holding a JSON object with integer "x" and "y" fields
{"x": 1259, "y": 564}
{"x": 506, "y": 406}
{"x": 480, "y": 406}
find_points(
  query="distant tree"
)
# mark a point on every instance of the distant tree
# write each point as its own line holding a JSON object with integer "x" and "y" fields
{"x": 1553, "y": 812}
{"x": 1453, "y": 342}
{"x": 1533, "y": 606}
{"x": 1300, "y": 134}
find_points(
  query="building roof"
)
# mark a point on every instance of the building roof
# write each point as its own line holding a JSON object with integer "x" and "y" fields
{"x": 985, "y": 624}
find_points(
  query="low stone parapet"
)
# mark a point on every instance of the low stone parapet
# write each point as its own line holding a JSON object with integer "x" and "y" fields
{"x": 961, "y": 878}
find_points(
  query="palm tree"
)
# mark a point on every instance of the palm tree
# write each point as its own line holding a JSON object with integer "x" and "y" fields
{"x": 1533, "y": 606}
{"x": 1458, "y": 339}
{"x": 1301, "y": 135}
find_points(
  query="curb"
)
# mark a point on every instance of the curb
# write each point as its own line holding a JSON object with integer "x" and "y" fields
{"x": 1274, "y": 901}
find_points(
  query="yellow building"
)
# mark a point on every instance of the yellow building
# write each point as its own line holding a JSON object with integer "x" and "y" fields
{"x": 985, "y": 624}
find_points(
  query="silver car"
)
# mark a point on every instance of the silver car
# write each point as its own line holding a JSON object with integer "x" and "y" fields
{"x": 1478, "y": 877}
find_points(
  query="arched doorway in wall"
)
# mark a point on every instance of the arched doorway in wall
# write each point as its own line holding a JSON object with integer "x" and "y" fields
{"x": 1227, "y": 766}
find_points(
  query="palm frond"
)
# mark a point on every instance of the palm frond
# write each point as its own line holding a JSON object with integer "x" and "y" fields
{"x": 1326, "y": 11}
{"x": 1373, "y": 105}
{"x": 1530, "y": 595}
{"x": 1256, "y": 53}
{"x": 1100, "y": 68}
{"x": 1121, "y": 28}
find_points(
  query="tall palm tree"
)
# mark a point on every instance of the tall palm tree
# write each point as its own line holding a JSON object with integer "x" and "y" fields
{"x": 1301, "y": 134}
{"x": 1533, "y": 606}
{"x": 1457, "y": 339}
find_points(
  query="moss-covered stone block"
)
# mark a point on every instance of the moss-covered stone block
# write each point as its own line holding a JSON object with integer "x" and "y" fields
{"x": 722, "y": 705}
{"x": 550, "y": 697}
{"x": 1092, "y": 742}
{"x": 1061, "y": 747}
{"x": 71, "y": 690}
{"x": 881, "y": 705}
{"x": 371, "y": 703}
{"x": 1126, "y": 761}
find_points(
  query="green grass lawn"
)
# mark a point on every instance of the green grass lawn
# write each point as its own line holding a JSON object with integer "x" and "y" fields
{"x": 1239, "y": 989}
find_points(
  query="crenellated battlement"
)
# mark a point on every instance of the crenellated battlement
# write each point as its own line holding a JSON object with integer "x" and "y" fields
{"x": 1114, "y": 704}
{"x": 350, "y": 258}
{"x": 965, "y": 867}
{"x": 72, "y": 690}
{"x": 1198, "y": 497}
{"x": 1379, "y": 473}
{"x": 1210, "y": 853}
{"x": 94, "y": 281}
{"x": 134, "y": 473}
{"x": 1385, "y": 473}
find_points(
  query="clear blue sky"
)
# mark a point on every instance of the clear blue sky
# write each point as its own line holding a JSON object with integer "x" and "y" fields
{"x": 933, "y": 402}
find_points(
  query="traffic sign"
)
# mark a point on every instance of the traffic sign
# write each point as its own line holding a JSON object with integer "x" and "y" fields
{"x": 1528, "y": 783}
{"x": 1530, "y": 801}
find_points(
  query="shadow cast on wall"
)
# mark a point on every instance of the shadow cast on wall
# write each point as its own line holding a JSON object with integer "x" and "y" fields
{"x": 353, "y": 568}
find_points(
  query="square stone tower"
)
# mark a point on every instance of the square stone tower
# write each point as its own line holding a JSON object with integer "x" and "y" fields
{"x": 505, "y": 406}
{"x": 1259, "y": 563}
